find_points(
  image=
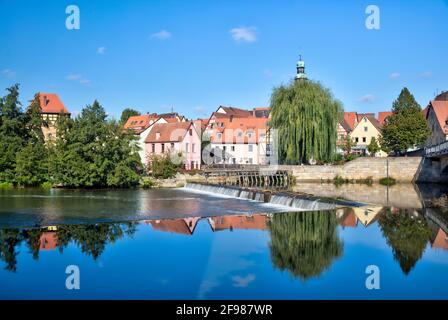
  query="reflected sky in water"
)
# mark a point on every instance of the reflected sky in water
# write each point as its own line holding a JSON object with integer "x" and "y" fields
{"x": 297, "y": 255}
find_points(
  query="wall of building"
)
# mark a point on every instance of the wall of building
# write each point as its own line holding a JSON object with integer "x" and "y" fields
{"x": 241, "y": 152}
{"x": 360, "y": 133}
{"x": 437, "y": 135}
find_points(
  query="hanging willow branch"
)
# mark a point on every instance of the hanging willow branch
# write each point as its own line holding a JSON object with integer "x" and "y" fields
{"x": 306, "y": 117}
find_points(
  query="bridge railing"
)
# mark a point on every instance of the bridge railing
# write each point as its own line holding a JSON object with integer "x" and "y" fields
{"x": 436, "y": 150}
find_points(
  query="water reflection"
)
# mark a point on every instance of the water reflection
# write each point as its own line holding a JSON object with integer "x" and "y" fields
{"x": 305, "y": 244}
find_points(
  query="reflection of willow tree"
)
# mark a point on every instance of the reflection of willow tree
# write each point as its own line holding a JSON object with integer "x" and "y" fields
{"x": 305, "y": 243}
{"x": 407, "y": 235}
{"x": 92, "y": 239}
{"x": 9, "y": 239}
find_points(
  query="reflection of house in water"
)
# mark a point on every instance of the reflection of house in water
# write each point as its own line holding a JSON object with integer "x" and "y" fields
{"x": 48, "y": 241}
{"x": 347, "y": 217}
{"x": 367, "y": 215}
{"x": 441, "y": 240}
{"x": 253, "y": 222}
{"x": 182, "y": 226}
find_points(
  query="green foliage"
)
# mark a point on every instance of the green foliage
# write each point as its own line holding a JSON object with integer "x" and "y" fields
{"x": 6, "y": 185}
{"x": 348, "y": 144}
{"x": 32, "y": 165}
{"x": 373, "y": 147}
{"x": 306, "y": 116}
{"x": 127, "y": 113}
{"x": 388, "y": 181}
{"x": 95, "y": 152}
{"x": 406, "y": 128}
{"x": 407, "y": 235}
{"x": 305, "y": 243}
{"x": 147, "y": 183}
{"x": 162, "y": 167}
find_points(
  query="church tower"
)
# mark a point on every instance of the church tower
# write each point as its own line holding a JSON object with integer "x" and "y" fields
{"x": 301, "y": 75}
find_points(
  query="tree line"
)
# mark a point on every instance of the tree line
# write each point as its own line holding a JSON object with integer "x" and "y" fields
{"x": 89, "y": 151}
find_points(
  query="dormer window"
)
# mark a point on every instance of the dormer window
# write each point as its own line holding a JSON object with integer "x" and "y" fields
{"x": 157, "y": 135}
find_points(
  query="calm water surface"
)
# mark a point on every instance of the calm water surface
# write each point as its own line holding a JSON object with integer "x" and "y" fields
{"x": 173, "y": 244}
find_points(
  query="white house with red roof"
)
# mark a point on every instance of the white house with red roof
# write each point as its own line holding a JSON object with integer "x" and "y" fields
{"x": 51, "y": 108}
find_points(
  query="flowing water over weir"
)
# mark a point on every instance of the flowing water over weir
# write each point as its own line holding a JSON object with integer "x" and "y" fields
{"x": 301, "y": 202}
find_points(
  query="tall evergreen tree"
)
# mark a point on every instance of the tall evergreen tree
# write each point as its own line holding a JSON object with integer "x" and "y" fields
{"x": 306, "y": 117}
{"x": 407, "y": 127}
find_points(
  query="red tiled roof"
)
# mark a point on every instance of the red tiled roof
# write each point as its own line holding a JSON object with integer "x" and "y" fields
{"x": 441, "y": 240}
{"x": 230, "y": 128}
{"x": 236, "y": 111}
{"x": 255, "y": 222}
{"x": 175, "y": 226}
{"x": 383, "y": 115}
{"x": 362, "y": 115}
{"x": 351, "y": 119}
{"x": 168, "y": 132}
{"x": 50, "y": 103}
{"x": 441, "y": 111}
{"x": 140, "y": 123}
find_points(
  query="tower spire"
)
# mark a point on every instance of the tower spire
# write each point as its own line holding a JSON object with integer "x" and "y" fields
{"x": 301, "y": 75}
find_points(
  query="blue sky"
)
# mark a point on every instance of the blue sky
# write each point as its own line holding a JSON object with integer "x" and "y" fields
{"x": 194, "y": 55}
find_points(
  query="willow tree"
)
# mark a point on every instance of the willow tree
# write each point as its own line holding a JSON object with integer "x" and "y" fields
{"x": 305, "y": 115}
{"x": 305, "y": 243}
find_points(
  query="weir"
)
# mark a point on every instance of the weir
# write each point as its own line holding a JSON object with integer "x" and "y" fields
{"x": 292, "y": 200}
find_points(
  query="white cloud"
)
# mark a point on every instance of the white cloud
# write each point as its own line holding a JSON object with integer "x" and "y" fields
{"x": 426, "y": 74}
{"x": 77, "y": 78}
{"x": 101, "y": 50}
{"x": 394, "y": 75}
{"x": 243, "y": 282}
{"x": 8, "y": 73}
{"x": 244, "y": 34}
{"x": 162, "y": 35}
{"x": 368, "y": 98}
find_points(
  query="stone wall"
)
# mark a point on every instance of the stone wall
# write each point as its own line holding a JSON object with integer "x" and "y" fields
{"x": 403, "y": 169}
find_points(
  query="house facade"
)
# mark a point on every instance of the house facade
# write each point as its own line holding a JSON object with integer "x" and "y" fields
{"x": 437, "y": 118}
{"x": 367, "y": 128}
{"x": 51, "y": 109}
{"x": 175, "y": 138}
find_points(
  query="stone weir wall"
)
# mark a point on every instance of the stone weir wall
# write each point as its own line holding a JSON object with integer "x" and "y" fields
{"x": 403, "y": 169}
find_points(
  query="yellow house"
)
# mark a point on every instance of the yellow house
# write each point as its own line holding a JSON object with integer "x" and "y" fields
{"x": 367, "y": 215}
{"x": 366, "y": 129}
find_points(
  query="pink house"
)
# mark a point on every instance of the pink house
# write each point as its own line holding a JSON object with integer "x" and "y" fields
{"x": 183, "y": 137}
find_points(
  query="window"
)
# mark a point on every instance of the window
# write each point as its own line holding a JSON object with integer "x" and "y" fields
{"x": 250, "y": 134}
{"x": 190, "y": 132}
{"x": 172, "y": 145}
{"x": 366, "y": 129}
{"x": 232, "y": 148}
{"x": 364, "y": 139}
{"x": 153, "y": 148}
{"x": 233, "y": 160}
{"x": 251, "y": 148}
{"x": 357, "y": 139}
{"x": 192, "y": 147}
{"x": 186, "y": 147}
{"x": 240, "y": 134}
{"x": 219, "y": 135}
{"x": 251, "y": 161}
{"x": 163, "y": 148}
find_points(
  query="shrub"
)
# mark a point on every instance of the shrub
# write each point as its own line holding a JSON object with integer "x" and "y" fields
{"x": 389, "y": 181}
{"x": 147, "y": 183}
{"x": 47, "y": 185}
{"x": 5, "y": 185}
{"x": 162, "y": 167}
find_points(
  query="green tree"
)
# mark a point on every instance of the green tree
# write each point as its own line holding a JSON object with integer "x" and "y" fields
{"x": 305, "y": 243}
{"x": 127, "y": 113}
{"x": 94, "y": 152}
{"x": 162, "y": 166}
{"x": 348, "y": 144}
{"x": 406, "y": 127}
{"x": 305, "y": 115}
{"x": 373, "y": 147}
{"x": 12, "y": 133}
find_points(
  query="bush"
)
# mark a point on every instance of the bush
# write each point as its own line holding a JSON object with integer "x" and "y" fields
{"x": 387, "y": 181}
{"x": 47, "y": 185}
{"x": 161, "y": 166}
{"x": 6, "y": 185}
{"x": 147, "y": 183}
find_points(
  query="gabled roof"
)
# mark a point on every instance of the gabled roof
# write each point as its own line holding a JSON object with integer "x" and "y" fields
{"x": 372, "y": 120}
{"x": 48, "y": 241}
{"x": 345, "y": 125}
{"x": 227, "y": 130}
{"x": 140, "y": 123}
{"x": 50, "y": 103}
{"x": 255, "y": 222}
{"x": 369, "y": 115}
{"x": 235, "y": 111}
{"x": 168, "y": 132}
{"x": 175, "y": 225}
{"x": 383, "y": 115}
{"x": 440, "y": 108}
{"x": 350, "y": 119}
